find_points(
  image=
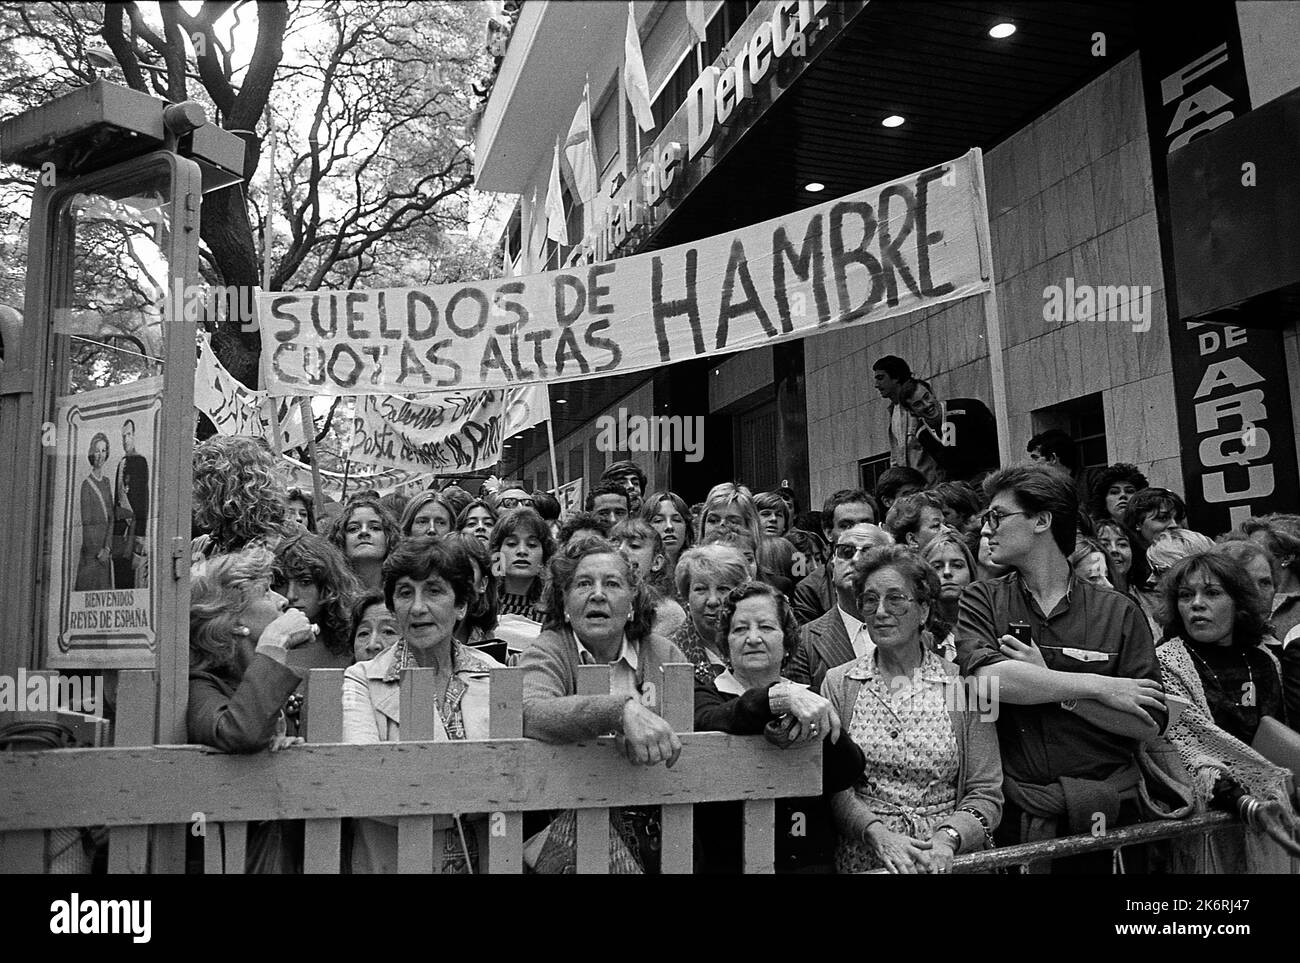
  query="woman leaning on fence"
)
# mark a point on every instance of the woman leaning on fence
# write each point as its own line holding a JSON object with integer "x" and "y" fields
{"x": 597, "y": 614}
{"x": 427, "y": 584}
{"x": 241, "y": 634}
{"x": 1212, "y": 659}
{"x": 757, "y": 627}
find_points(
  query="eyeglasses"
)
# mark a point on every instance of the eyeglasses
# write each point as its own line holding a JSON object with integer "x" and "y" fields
{"x": 993, "y": 518}
{"x": 845, "y": 551}
{"x": 516, "y": 502}
{"x": 896, "y": 603}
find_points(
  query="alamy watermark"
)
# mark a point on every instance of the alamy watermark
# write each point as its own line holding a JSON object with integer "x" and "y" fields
{"x": 1128, "y": 304}
{"x": 649, "y": 433}
{"x": 41, "y": 692}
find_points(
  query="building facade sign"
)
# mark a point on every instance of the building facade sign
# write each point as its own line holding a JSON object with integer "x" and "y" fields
{"x": 1230, "y": 381}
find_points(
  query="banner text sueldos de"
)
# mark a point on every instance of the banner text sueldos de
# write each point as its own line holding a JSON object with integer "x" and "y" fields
{"x": 875, "y": 254}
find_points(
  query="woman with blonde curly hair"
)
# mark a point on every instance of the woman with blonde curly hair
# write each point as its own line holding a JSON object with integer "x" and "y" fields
{"x": 238, "y": 497}
{"x": 241, "y": 638}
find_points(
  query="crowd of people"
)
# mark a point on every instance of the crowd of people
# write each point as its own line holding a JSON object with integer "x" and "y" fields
{"x": 1131, "y": 663}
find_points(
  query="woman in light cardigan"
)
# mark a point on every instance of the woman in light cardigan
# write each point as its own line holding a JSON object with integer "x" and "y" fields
{"x": 427, "y": 585}
{"x": 933, "y": 783}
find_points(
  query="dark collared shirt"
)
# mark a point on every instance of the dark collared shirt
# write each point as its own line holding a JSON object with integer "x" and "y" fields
{"x": 1092, "y": 629}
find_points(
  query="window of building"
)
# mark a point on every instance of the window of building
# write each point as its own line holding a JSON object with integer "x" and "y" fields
{"x": 870, "y": 470}
{"x": 1084, "y": 420}
{"x": 755, "y": 448}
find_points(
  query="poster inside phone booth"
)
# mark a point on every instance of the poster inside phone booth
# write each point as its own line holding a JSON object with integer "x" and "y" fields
{"x": 105, "y": 482}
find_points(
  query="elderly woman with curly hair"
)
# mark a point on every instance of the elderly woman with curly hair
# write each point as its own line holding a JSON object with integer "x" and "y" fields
{"x": 597, "y": 614}
{"x": 1212, "y": 658}
{"x": 758, "y": 628}
{"x": 366, "y": 532}
{"x": 933, "y": 782}
{"x": 239, "y": 497}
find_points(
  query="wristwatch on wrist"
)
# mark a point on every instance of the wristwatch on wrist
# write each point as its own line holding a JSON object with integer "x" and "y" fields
{"x": 1069, "y": 704}
{"x": 952, "y": 834}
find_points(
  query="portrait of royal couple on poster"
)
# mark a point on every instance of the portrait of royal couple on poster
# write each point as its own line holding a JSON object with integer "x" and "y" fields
{"x": 114, "y": 515}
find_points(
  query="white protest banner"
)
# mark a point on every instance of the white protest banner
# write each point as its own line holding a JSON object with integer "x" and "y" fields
{"x": 570, "y": 496}
{"x": 235, "y": 409}
{"x": 882, "y": 252}
{"x": 449, "y": 432}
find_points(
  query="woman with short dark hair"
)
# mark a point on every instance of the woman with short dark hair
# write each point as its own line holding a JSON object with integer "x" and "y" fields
{"x": 759, "y": 630}
{"x": 521, "y": 545}
{"x": 1113, "y": 489}
{"x": 1213, "y": 660}
{"x": 427, "y": 585}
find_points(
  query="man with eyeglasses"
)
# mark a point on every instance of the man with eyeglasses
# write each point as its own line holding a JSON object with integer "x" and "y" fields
{"x": 839, "y": 636}
{"x": 513, "y": 497}
{"x": 1077, "y": 699}
{"x": 815, "y": 594}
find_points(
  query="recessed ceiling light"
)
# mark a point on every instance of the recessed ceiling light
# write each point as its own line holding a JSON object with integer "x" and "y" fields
{"x": 1000, "y": 31}
{"x": 814, "y": 186}
{"x": 893, "y": 120}
{"x": 561, "y": 401}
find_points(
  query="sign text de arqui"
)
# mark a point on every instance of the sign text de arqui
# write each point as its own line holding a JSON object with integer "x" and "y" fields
{"x": 875, "y": 254}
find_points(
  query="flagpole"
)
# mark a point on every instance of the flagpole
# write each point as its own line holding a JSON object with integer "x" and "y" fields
{"x": 550, "y": 437}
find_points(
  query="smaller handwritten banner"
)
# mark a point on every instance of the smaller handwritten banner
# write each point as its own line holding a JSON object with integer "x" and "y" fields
{"x": 235, "y": 409}
{"x": 449, "y": 432}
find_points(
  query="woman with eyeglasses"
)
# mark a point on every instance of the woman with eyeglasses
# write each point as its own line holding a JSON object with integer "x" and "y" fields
{"x": 933, "y": 782}
{"x": 1212, "y": 657}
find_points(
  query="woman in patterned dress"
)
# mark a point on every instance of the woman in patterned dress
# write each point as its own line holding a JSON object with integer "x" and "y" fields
{"x": 933, "y": 783}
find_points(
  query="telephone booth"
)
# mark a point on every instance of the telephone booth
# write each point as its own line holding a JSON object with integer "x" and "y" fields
{"x": 96, "y": 398}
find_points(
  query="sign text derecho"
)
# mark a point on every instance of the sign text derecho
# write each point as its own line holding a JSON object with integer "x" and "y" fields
{"x": 875, "y": 254}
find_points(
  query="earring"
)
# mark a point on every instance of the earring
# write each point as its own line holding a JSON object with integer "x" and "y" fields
{"x": 243, "y": 630}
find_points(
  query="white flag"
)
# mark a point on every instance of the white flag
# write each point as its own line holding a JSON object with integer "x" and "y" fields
{"x": 580, "y": 151}
{"x": 638, "y": 88}
{"x": 526, "y": 406}
{"x": 696, "y": 18}
{"x": 556, "y": 227}
{"x": 536, "y": 237}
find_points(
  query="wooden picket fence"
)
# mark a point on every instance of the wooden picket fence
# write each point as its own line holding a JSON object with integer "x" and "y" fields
{"x": 150, "y": 796}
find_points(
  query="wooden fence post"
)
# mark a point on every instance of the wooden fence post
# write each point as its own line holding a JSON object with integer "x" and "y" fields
{"x": 677, "y": 694}
{"x": 128, "y": 846}
{"x": 593, "y": 824}
{"x": 506, "y": 721}
{"x": 417, "y": 710}
{"x": 323, "y": 838}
